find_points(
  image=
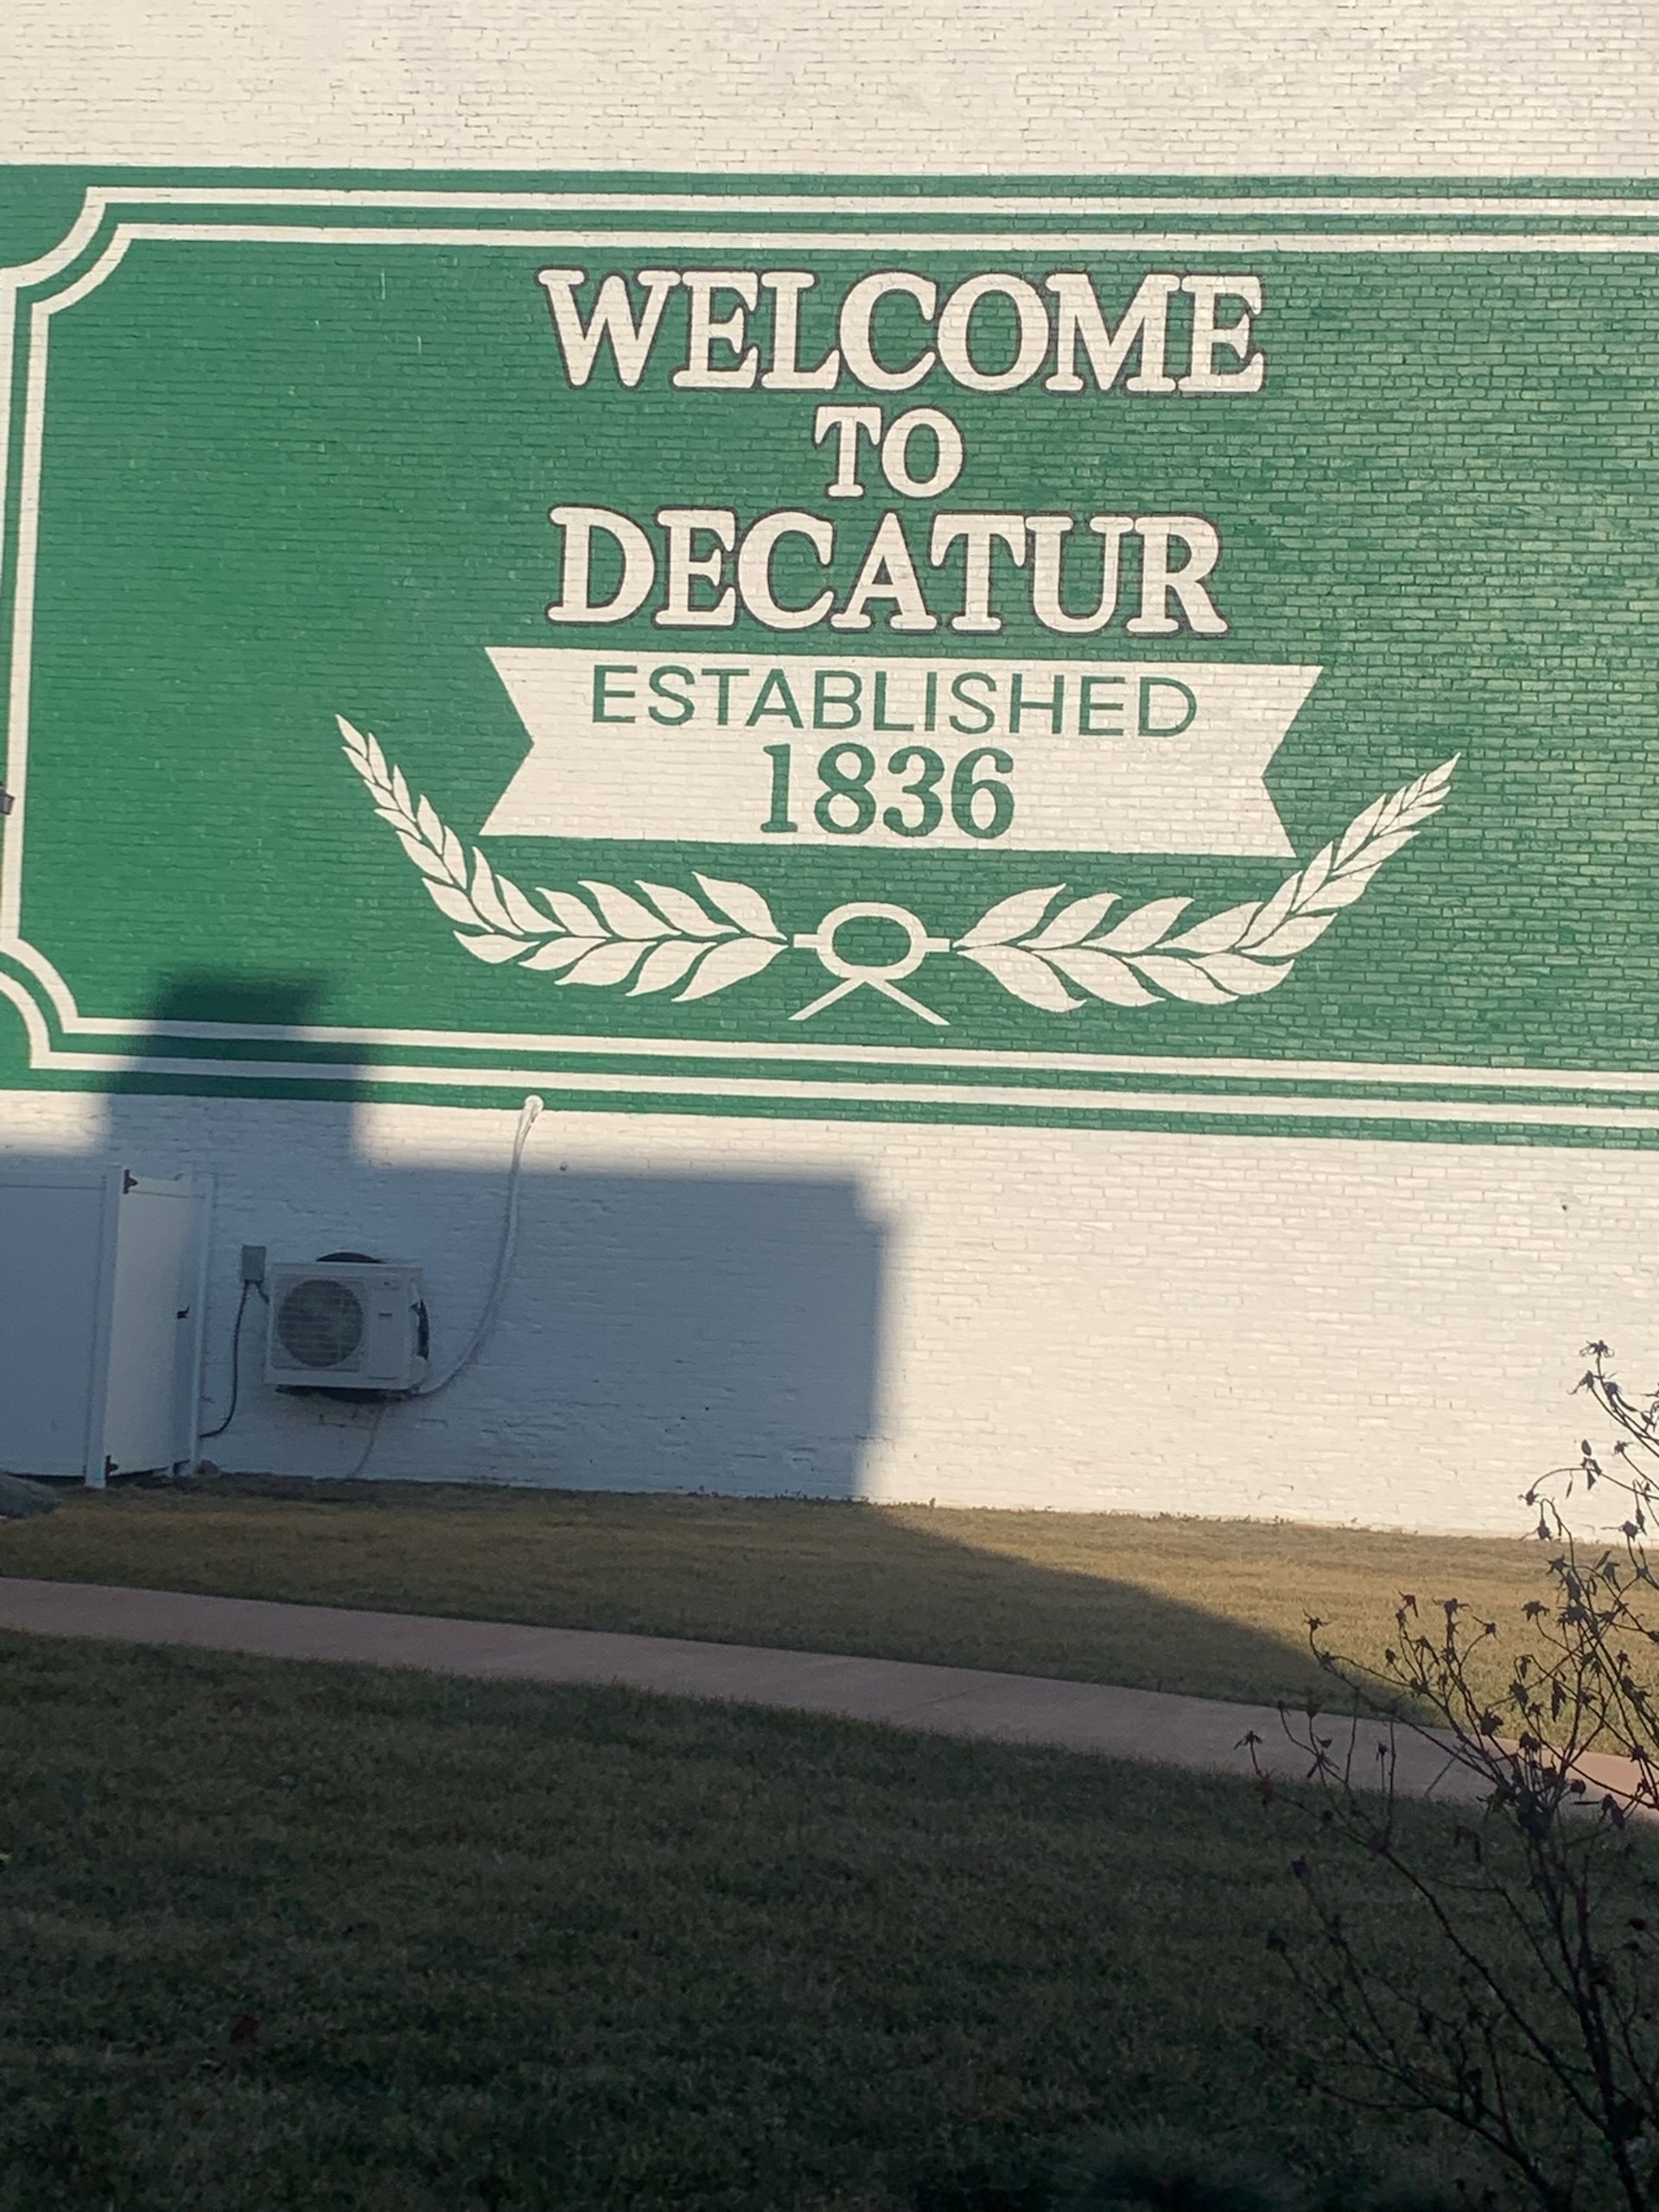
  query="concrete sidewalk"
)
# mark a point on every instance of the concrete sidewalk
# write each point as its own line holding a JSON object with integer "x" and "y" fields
{"x": 1198, "y": 1733}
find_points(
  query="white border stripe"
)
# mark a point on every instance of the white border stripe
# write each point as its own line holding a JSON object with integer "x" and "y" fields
{"x": 1399, "y": 205}
{"x": 1436, "y": 1073}
{"x": 929, "y": 241}
{"x": 1225, "y": 1106}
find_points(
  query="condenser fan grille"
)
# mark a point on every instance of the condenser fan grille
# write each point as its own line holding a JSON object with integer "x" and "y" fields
{"x": 320, "y": 1323}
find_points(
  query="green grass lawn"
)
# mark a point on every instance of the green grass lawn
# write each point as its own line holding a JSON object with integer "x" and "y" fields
{"x": 285, "y": 1936}
{"x": 1216, "y": 1608}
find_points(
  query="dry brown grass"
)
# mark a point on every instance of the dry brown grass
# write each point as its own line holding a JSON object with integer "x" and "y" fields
{"x": 1215, "y": 1608}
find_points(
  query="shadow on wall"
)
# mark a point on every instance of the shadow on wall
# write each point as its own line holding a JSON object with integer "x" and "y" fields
{"x": 660, "y": 1331}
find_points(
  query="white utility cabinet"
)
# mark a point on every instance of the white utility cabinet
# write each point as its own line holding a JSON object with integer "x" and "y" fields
{"x": 103, "y": 1278}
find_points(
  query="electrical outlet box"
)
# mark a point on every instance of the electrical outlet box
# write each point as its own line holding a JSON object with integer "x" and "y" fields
{"x": 253, "y": 1263}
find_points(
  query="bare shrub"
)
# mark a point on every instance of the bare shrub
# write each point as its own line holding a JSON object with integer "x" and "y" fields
{"x": 1517, "y": 1997}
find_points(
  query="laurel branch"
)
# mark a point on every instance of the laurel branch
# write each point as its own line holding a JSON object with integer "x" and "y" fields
{"x": 665, "y": 937}
{"x": 607, "y": 937}
{"x": 1147, "y": 955}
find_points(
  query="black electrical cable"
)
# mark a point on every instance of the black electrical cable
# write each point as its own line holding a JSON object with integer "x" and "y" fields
{"x": 380, "y": 1414}
{"x": 236, "y": 1363}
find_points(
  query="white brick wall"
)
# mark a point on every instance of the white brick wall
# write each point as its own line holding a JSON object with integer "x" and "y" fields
{"x": 1135, "y": 87}
{"x": 1337, "y": 1331}
{"x": 1383, "y": 1333}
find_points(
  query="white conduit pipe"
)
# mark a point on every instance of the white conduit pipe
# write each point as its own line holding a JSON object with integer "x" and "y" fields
{"x": 528, "y": 1114}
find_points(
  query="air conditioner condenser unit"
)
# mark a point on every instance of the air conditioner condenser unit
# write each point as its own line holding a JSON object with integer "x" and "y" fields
{"x": 340, "y": 1324}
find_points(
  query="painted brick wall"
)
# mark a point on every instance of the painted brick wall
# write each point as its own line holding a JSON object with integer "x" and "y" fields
{"x": 1325, "y": 1328}
{"x": 958, "y": 87}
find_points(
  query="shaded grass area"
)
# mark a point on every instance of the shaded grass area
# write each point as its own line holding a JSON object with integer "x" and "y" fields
{"x": 1213, "y": 1608}
{"x": 277, "y": 1935}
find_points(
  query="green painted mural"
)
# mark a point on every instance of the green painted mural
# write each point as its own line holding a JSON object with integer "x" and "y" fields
{"x": 1155, "y": 654}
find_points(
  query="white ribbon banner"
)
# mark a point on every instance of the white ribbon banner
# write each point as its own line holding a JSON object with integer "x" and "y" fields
{"x": 1023, "y": 756}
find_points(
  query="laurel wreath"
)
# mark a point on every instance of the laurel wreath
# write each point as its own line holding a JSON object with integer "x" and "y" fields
{"x": 1238, "y": 954}
{"x": 657, "y": 936}
{"x": 606, "y": 938}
